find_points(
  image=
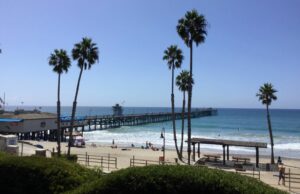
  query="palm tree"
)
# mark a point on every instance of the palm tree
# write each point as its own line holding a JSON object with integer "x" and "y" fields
{"x": 61, "y": 62}
{"x": 182, "y": 81}
{"x": 266, "y": 94}
{"x": 191, "y": 28}
{"x": 86, "y": 53}
{"x": 174, "y": 57}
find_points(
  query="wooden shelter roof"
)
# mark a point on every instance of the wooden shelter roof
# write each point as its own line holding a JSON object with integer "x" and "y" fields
{"x": 229, "y": 142}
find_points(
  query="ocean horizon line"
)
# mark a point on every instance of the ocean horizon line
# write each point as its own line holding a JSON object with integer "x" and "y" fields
{"x": 96, "y": 106}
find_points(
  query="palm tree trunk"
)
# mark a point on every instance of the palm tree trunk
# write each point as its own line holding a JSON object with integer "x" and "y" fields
{"x": 58, "y": 117}
{"x": 73, "y": 113}
{"x": 173, "y": 114}
{"x": 182, "y": 124}
{"x": 190, "y": 102}
{"x": 271, "y": 135}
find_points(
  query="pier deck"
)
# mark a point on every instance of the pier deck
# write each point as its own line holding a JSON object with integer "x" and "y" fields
{"x": 109, "y": 121}
{"x": 45, "y": 128}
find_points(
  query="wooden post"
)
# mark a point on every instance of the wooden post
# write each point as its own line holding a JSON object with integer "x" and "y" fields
{"x": 289, "y": 179}
{"x": 198, "y": 150}
{"x": 22, "y": 149}
{"x": 86, "y": 158}
{"x": 194, "y": 152}
{"x": 227, "y": 152}
{"x": 223, "y": 154}
{"x": 257, "y": 157}
{"x": 108, "y": 160}
{"x": 133, "y": 161}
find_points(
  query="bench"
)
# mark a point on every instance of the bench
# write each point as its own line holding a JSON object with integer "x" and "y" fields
{"x": 215, "y": 157}
{"x": 239, "y": 167}
{"x": 238, "y": 160}
{"x": 199, "y": 163}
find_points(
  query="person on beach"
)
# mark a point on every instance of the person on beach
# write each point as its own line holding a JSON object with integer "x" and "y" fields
{"x": 113, "y": 144}
{"x": 281, "y": 170}
{"x": 279, "y": 161}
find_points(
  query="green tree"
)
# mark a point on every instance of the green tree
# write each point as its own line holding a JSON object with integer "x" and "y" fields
{"x": 192, "y": 29}
{"x": 61, "y": 62}
{"x": 86, "y": 54}
{"x": 174, "y": 57}
{"x": 182, "y": 81}
{"x": 266, "y": 95}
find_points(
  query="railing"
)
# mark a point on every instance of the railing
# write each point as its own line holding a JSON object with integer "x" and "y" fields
{"x": 103, "y": 161}
{"x": 255, "y": 173}
{"x": 141, "y": 162}
{"x": 195, "y": 111}
{"x": 292, "y": 178}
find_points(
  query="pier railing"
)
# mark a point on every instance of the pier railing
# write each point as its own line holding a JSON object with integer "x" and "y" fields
{"x": 142, "y": 162}
{"x": 195, "y": 112}
{"x": 112, "y": 121}
{"x": 103, "y": 161}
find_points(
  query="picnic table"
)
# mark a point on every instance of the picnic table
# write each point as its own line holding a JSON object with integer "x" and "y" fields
{"x": 215, "y": 157}
{"x": 237, "y": 159}
{"x": 238, "y": 167}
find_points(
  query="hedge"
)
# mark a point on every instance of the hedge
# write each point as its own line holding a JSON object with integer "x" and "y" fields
{"x": 41, "y": 175}
{"x": 175, "y": 180}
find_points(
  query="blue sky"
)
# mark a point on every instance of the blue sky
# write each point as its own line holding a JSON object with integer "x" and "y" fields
{"x": 248, "y": 43}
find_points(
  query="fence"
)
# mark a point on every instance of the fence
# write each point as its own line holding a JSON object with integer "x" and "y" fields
{"x": 292, "y": 178}
{"x": 255, "y": 173}
{"x": 141, "y": 162}
{"x": 103, "y": 161}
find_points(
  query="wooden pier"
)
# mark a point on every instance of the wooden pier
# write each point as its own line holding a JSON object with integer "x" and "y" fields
{"x": 109, "y": 121}
{"x": 92, "y": 123}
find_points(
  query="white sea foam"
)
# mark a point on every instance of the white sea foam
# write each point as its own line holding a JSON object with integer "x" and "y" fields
{"x": 288, "y": 146}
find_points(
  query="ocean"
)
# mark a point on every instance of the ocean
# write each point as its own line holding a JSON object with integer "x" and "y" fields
{"x": 232, "y": 124}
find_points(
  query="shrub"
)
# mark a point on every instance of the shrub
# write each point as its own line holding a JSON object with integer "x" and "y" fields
{"x": 175, "y": 179}
{"x": 72, "y": 157}
{"x": 41, "y": 175}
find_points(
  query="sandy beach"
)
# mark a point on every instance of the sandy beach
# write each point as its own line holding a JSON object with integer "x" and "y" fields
{"x": 124, "y": 154}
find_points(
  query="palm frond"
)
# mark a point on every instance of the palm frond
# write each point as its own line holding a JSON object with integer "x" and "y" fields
{"x": 266, "y": 94}
{"x": 86, "y": 53}
{"x": 174, "y": 57}
{"x": 182, "y": 80}
{"x": 60, "y": 60}
{"x": 192, "y": 28}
